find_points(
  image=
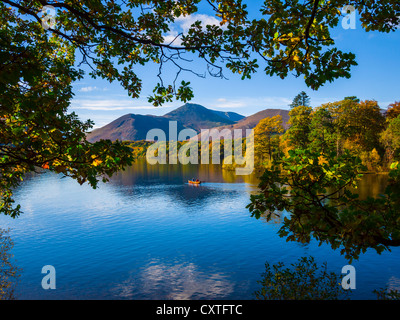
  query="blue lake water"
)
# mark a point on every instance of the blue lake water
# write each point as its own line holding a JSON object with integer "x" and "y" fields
{"x": 149, "y": 235}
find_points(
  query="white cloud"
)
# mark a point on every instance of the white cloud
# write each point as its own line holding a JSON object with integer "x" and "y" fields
{"x": 175, "y": 280}
{"x": 110, "y": 105}
{"x": 102, "y": 104}
{"x": 90, "y": 88}
{"x": 247, "y": 102}
{"x": 184, "y": 23}
{"x": 172, "y": 38}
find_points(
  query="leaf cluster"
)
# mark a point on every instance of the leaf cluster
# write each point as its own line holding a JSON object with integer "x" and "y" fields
{"x": 304, "y": 280}
{"x": 316, "y": 191}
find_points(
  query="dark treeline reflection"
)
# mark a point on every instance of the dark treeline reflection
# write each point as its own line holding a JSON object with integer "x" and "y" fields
{"x": 148, "y": 234}
{"x": 372, "y": 185}
{"x": 143, "y": 173}
{"x": 172, "y": 180}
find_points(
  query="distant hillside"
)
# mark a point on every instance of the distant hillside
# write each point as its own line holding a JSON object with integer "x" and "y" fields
{"x": 197, "y": 117}
{"x": 131, "y": 127}
{"x": 251, "y": 122}
{"x": 233, "y": 116}
{"x": 135, "y": 127}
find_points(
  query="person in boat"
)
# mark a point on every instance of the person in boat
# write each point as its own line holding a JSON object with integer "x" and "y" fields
{"x": 193, "y": 179}
{"x": 197, "y": 180}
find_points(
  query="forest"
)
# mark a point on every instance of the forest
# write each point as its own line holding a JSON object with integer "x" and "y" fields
{"x": 360, "y": 128}
{"x": 311, "y": 171}
{"x": 307, "y": 167}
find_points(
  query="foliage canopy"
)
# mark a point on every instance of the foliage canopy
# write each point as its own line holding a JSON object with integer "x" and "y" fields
{"x": 314, "y": 182}
{"x": 9, "y": 273}
{"x": 38, "y": 66}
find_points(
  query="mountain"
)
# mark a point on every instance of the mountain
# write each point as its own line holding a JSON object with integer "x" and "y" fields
{"x": 131, "y": 127}
{"x": 197, "y": 117}
{"x": 251, "y": 122}
{"x": 233, "y": 116}
{"x": 193, "y": 116}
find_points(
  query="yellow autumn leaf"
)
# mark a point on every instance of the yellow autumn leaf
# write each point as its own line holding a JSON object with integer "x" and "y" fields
{"x": 321, "y": 160}
{"x": 96, "y": 162}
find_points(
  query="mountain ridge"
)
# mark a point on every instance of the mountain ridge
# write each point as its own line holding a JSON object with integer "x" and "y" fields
{"x": 134, "y": 127}
{"x": 197, "y": 117}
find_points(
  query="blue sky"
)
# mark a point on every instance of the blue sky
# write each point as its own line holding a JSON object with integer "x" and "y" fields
{"x": 376, "y": 77}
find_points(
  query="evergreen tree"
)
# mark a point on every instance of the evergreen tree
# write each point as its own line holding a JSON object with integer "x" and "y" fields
{"x": 299, "y": 122}
{"x": 302, "y": 99}
{"x": 353, "y": 98}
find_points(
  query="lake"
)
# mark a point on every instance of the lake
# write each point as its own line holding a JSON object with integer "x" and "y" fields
{"x": 147, "y": 234}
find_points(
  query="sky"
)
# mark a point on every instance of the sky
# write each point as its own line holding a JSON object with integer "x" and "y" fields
{"x": 375, "y": 78}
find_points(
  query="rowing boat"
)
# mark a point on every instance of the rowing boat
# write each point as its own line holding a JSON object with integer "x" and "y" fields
{"x": 194, "y": 182}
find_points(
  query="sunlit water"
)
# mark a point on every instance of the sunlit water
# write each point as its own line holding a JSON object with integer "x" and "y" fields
{"x": 149, "y": 235}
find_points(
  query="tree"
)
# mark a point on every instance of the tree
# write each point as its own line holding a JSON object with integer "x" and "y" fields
{"x": 299, "y": 130}
{"x": 357, "y": 125}
{"x": 369, "y": 122}
{"x": 305, "y": 280}
{"x": 134, "y": 32}
{"x": 36, "y": 131}
{"x": 322, "y": 131}
{"x": 302, "y": 99}
{"x": 390, "y": 138}
{"x": 352, "y": 98}
{"x": 9, "y": 273}
{"x": 266, "y": 139}
{"x": 40, "y": 61}
{"x": 371, "y": 159}
{"x": 342, "y": 113}
{"x": 393, "y": 110}
{"x": 387, "y": 294}
{"x": 314, "y": 189}
{"x": 313, "y": 182}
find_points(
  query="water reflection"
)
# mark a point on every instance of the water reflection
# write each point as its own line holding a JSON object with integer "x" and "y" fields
{"x": 393, "y": 284}
{"x": 149, "y": 235}
{"x": 143, "y": 173}
{"x": 180, "y": 280}
{"x": 143, "y": 179}
{"x": 9, "y": 272}
{"x": 372, "y": 185}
